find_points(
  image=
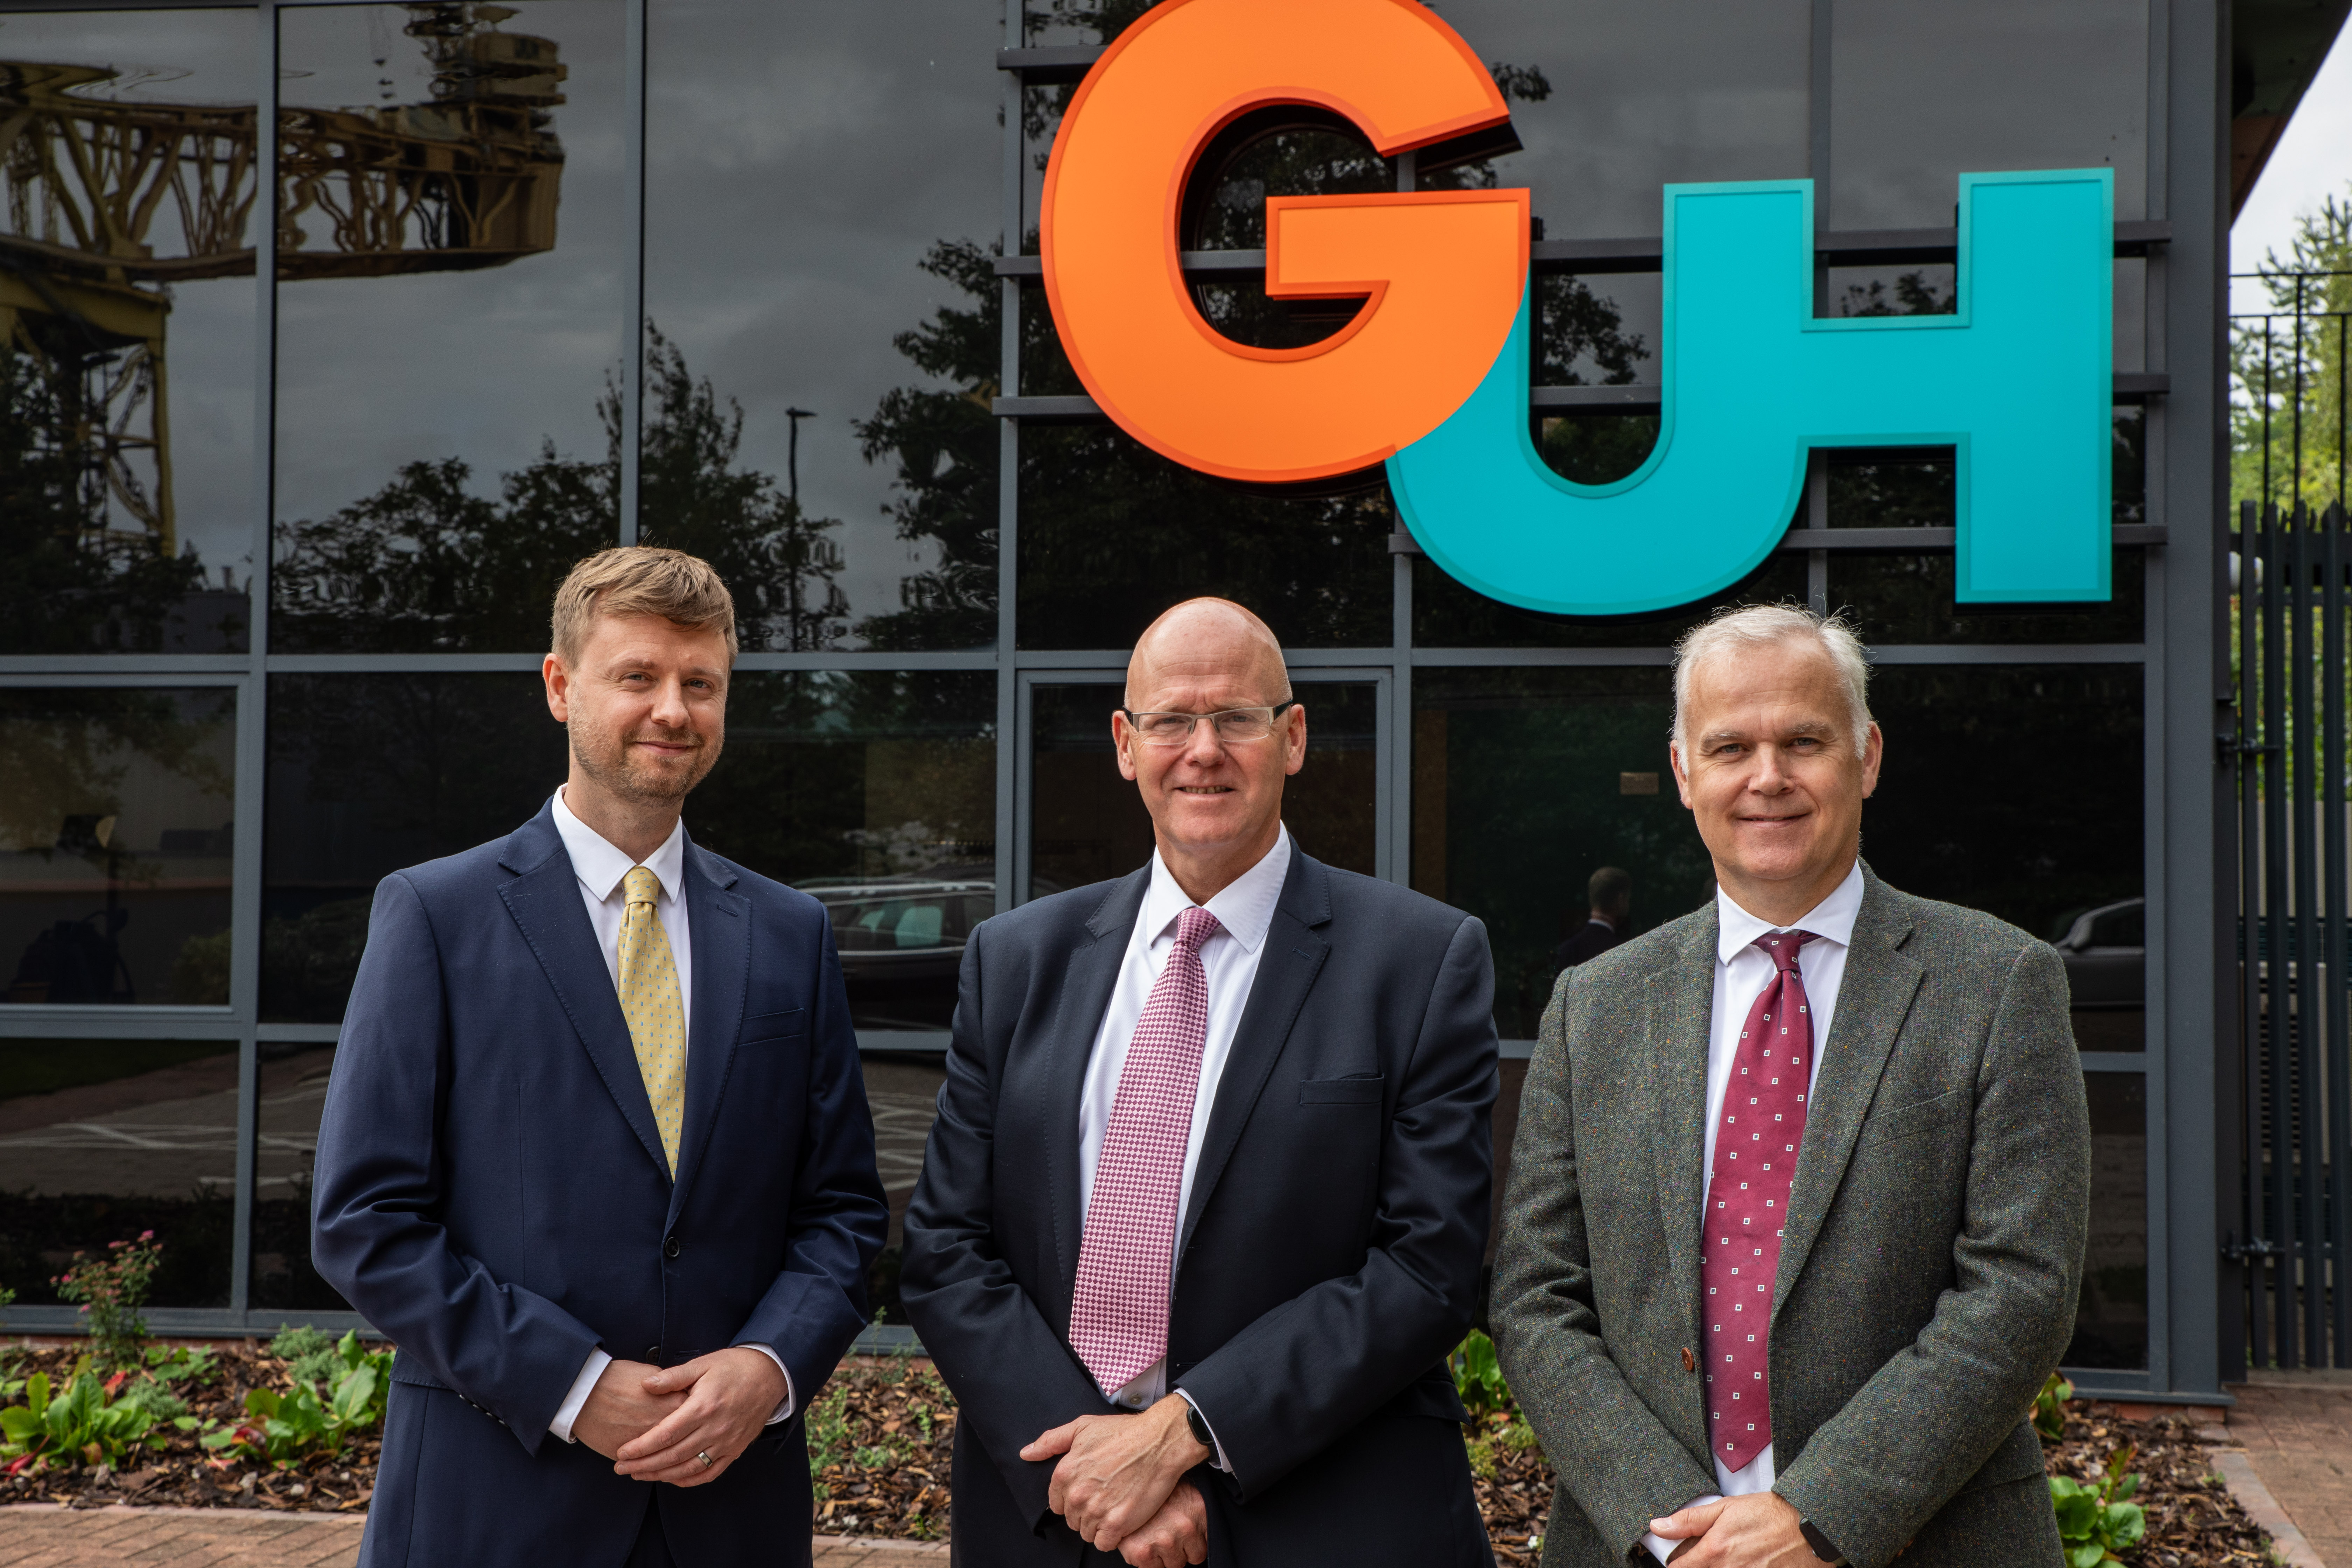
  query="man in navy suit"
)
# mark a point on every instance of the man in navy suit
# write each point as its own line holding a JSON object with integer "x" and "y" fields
{"x": 595, "y": 1154}
{"x": 1204, "y": 1208}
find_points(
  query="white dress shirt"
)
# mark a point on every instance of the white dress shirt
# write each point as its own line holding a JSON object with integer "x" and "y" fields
{"x": 599, "y": 868}
{"x": 1741, "y": 971}
{"x": 1229, "y": 958}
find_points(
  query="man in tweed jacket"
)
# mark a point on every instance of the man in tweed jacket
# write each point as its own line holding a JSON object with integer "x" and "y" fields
{"x": 1915, "y": 1261}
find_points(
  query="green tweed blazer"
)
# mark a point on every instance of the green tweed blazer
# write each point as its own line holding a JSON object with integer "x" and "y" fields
{"x": 1927, "y": 1281}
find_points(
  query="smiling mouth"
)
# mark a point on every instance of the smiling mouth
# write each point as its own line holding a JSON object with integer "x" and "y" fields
{"x": 1205, "y": 789}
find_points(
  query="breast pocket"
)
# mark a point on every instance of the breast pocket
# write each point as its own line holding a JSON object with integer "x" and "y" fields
{"x": 771, "y": 1028}
{"x": 1342, "y": 1091}
{"x": 1915, "y": 1120}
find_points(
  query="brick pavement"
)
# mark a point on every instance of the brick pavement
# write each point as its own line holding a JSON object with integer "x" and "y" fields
{"x": 41, "y": 1537}
{"x": 2296, "y": 1429}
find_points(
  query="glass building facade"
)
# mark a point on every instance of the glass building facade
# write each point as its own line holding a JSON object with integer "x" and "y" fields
{"x": 303, "y": 427}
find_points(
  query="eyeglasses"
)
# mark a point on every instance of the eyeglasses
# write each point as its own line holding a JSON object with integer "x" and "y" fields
{"x": 1233, "y": 724}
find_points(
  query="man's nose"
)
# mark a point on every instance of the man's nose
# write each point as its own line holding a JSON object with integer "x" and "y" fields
{"x": 1203, "y": 748}
{"x": 669, "y": 703}
{"x": 1770, "y": 777}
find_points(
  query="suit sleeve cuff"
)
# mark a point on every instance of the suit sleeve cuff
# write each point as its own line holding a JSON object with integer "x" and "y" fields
{"x": 1219, "y": 1461}
{"x": 582, "y": 1386}
{"x": 1660, "y": 1547}
{"x": 791, "y": 1398}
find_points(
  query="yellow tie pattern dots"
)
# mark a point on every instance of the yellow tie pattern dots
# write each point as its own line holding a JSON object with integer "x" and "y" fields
{"x": 649, "y": 1001}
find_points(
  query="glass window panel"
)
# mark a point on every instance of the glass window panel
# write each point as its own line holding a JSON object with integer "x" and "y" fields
{"x": 1049, "y": 24}
{"x": 1922, "y": 92}
{"x": 2111, "y": 1322}
{"x": 902, "y": 1088}
{"x": 822, "y": 208}
{"x": 1912, "y": 488}
{"x": 293, "y": 1098}
{"x": 451, "y": 247}
{"x": 1089, "y": 824}
{"x": 116, "y": 809}
{"x": 126, "y": 494}
{"x": 1112, "y": 533}
{"x": 101, "y": 1140}
{"x": 1524, "y": 782}
{"x": 876, "y": 794}
{"x": 2064, "y": 839}
{"x": 372, "y": 772}
{"x": 1613, "y": 100}
{"x": 1909, "y": 599}
{"x": 1447, "y": 615}
{"x": 1601, "y": 331}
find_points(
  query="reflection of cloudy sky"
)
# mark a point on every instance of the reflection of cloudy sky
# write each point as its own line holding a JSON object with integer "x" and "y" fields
{"x": 375, "y": 372}
{"x": 180, "y": 57}
{"x": 801, "y": 161}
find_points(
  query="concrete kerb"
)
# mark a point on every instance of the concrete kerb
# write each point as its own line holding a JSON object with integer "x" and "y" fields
{"x": 2238, "y": 1472}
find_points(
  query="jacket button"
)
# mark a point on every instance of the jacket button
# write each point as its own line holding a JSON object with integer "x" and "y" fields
{"x": 653, "y": 1354}
{"x": 670, "y": 1248}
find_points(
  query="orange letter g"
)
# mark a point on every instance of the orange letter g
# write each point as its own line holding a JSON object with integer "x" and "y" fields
{"x": 1443, "y": 272}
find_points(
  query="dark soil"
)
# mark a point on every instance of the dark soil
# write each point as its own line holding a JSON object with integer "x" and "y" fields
{"x": 881, "y": 1435}
{"x": 185, "y": 1473}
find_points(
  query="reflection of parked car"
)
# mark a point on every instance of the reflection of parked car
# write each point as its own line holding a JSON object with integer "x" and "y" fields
{"x": 900, "y": 940}
{"x": 2105, "y": 953}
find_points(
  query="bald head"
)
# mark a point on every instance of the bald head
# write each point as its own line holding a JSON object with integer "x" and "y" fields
{"x": 1207, "y": 643}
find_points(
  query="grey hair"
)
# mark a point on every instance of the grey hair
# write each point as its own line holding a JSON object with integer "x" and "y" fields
{"x": 1764, "y": 625}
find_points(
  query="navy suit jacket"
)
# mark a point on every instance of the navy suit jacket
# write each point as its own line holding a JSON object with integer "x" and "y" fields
{"x": 1329, "y": 1255}
{"x": 492, "y": 1193}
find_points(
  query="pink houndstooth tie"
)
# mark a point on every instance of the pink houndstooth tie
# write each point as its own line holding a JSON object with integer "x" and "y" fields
{"x": 1747, "y": 1203}
{"x": 1118, "y": 1313}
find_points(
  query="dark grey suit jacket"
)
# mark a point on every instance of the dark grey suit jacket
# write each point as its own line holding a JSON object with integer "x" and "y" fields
{"x": 1929, "y": 1279}
{"x": 1329, "y": 1255}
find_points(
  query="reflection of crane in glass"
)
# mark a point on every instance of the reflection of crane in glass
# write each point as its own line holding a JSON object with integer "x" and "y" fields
{"x": 469, "y": 180}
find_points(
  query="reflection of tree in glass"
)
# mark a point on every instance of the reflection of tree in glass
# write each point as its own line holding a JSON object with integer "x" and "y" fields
{"x": 73, "y": 584}
{"x": 426, "y": 563}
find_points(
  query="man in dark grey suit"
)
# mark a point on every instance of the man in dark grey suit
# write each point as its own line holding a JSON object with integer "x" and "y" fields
{"x": 1204, "y": 1208}
{"x": 1767, "y": 1305}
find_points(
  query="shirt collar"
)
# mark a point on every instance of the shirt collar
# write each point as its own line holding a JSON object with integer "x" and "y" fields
{"x": 1831, "y": 920}
{"x": 1243, "y": 906}
{"x": 600, "y": 867}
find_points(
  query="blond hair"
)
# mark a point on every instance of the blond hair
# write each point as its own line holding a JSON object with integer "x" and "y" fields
{"x": 640, "y": 580}
{"x": 1763, "y": 626}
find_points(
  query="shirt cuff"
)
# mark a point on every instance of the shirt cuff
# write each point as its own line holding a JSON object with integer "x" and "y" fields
{"x": 783, "y": 1410}
{"x": 582, "y": 1386}
{"x": 1660, "y": 1547}
{"x": 1217, "y": 1449}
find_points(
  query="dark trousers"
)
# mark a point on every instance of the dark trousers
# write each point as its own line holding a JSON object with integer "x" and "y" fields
{"x": 652, "y": 1549}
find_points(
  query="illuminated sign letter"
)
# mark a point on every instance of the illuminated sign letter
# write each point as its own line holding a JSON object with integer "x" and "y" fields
{"x": 2018, "y": 382}
{"x": 1443, "y": 272}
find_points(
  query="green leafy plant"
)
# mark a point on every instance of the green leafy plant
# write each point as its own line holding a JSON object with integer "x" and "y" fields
{"x": 112, "y": 1289}
{"x": 2098, "y": 1521}
{"x": 85, "y": 1425}
{"x": 312, "y": 1352}
{"x": 828, "y": 1433}
{"x": 180, "y": 1363}
{"x": 281, "y": 1428}
{"x": 1478, "y": 1376}
{"x": 2050, "y": 1407}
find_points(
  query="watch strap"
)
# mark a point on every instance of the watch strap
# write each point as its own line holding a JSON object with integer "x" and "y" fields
{"x": 1814, "y": 1539}
{"x": 1199, "y": 1424}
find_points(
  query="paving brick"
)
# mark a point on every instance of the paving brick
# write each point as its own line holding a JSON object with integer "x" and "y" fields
{"x": 2296, "y": 1429}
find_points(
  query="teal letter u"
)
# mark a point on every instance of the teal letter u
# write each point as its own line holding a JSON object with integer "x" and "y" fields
{"x": 2020, "y": 382}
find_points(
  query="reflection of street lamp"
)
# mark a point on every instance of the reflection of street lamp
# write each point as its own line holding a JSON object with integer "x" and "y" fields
{"x": 792, "y": 451}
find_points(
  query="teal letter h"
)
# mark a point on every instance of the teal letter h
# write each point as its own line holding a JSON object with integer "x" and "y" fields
{"x": 2019, "y": 384}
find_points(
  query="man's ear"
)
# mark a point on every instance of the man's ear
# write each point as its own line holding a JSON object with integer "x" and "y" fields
{"x": 1122, "y": 738}
{"x": 1682, "y": 779}
{"x": 558, "y": 682}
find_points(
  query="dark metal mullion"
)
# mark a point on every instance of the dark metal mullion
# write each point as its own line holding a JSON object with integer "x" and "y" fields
{"x": 2275, "y": 917}
{"x": 633, "y": 267}
{"x": 2339, "y": 1028}
{"x": 2309, "y": 982}
{"x": 1012, "y": 776}
{"x": 2250, "y": 882}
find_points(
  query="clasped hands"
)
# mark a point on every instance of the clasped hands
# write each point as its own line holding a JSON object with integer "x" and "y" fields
{"x": 655, "y": 1423}
{"x": 1756, "y": 1530}
{"x": 1120, "y": 1484}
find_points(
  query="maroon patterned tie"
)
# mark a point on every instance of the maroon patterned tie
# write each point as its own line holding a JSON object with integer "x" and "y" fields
{"x": 1119, "y": 1309}
{"x": 1747, "y": 1203}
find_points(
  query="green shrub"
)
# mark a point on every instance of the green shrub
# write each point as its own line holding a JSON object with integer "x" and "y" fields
{"x": 85, "y": 1425}
{"x": 2096, "y": 1521}
{"x": 112, "y": 1289}
{"x": 281, "y": 1428}
{"x": 2050, "y": 1407}
{"x": 1478, "y": 1376}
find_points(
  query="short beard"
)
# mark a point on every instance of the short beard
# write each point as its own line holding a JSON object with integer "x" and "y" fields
{"x": 616, "y": 776}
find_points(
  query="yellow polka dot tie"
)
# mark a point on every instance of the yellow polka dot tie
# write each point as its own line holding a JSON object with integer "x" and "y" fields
{"x": 649, "y": 1000}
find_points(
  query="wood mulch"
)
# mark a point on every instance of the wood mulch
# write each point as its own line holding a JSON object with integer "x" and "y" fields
{"x": 185, "y": 1474}
{"x": 882, "y": 1434}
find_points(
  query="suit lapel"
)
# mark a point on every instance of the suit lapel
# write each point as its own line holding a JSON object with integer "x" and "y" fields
{"x": 718, "y": 924}
{"x": 1085, "y": 996}
{"x": 544, "y": 901}
{"x": 1681, "y": 1027}
{"x": 1872, "y": 1001}
{"x": 1287, "y": 967}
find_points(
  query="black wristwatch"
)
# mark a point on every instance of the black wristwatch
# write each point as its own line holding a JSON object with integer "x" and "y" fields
{"x": 1199, "y": 1425}
{"x": 1818, "y": 1542}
